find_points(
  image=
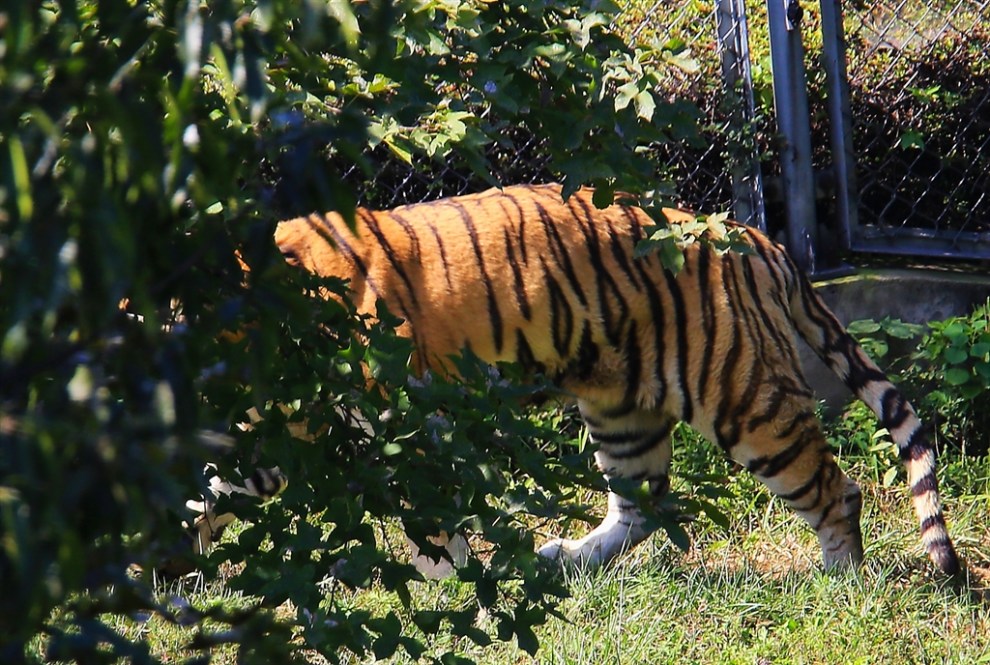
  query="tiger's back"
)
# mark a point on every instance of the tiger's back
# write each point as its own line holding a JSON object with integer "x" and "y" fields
{"x": 513, "y": 267}
{"x": 519, "y": 274}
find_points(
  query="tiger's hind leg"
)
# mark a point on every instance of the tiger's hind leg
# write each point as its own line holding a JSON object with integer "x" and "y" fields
{"x": 635, "y": 446}
{"x": 785, "y": 448}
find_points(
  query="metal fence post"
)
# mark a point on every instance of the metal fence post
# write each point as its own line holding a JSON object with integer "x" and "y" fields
{"x": 790, "y": 96}
{"x": 747, "y": 178}
{"x": 840, "y": 119}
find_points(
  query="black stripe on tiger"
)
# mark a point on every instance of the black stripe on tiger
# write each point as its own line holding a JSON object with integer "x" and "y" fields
{"x": 927, "y": 483}
{"x": 524, "y": 355}
{"x": 731, "y": 406}
{"x": 778, "y": 398}
{"x": 519, "y": 286}
{"x": 389, "y": 252}
{"x": 493, "y": 310}
{"x": 630, "y": 445}
{"x": 758, "y": 293}
{"x": 681, "y": 327}
{"x": 781, "y": 272}
{"x": 609, "y": 295}
{"x": 657, "y": 323}
{"x": 561, "y": 314}
{"x": 558, "y": 250}
{"x": 815, "y": 482}
{"x": 932, "y": 522}
{"x": 708, "y": 321}
{"x": 587, "y": 355}
{"x": 409, "y": 230}
{"x": 769, "y": 466}
{"x": 521, "y": 230}
{"x": 916, "y": 448}
{"x": 620, "y": 255}
{"x": 443, "y": 255}
{"x": 824, "y": 475}
{"x": 343, "y": 246}
{"x": 894, "y": 409}
{"x": 634, "y": 369}
{"x": 802, "y": 418}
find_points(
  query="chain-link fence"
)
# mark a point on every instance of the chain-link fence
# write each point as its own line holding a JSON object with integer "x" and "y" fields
{"x": 919, "y": 73}
{"x": 719, "y": 172}
{"x": 701, "y": 171}
{"x": 398, "y": 183}
{"x": 919, "y": 81}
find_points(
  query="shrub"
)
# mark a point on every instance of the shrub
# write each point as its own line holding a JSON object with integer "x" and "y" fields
{"x": 955, "y": 367}
{"x": 140, "y": 144}
{"x": 947, "y": 376}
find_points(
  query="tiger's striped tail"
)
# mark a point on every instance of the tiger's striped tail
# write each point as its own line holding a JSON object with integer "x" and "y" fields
{"x": 829, "y": 339}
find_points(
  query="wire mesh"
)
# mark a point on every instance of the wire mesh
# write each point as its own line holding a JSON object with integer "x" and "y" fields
{"x": 700, "y": 170}
{"x": 919, "y": 74}
{"x": 518, "y": 158}
{"x": 919, "y": 79}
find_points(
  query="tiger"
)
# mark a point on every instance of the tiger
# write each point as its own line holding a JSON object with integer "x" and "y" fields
{"x": 524, "y": 275}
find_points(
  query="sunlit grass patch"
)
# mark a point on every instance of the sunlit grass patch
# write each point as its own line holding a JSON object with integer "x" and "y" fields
{"x": 752, "y": 593}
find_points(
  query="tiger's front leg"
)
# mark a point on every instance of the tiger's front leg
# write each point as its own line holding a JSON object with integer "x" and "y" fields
{"x": 634, "y": 446}
{"x": 207, "y": 527}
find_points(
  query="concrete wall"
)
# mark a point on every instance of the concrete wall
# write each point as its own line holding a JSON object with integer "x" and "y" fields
{"x": 915, "y": 296}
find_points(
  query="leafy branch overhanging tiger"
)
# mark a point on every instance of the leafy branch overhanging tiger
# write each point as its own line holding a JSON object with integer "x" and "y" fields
{"x": 555, "y": 286}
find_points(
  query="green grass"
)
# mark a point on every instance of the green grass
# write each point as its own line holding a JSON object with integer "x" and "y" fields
{"x": 753, "y": 594}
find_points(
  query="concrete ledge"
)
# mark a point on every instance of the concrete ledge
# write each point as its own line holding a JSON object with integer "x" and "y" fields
{"x": 912, "y": 295}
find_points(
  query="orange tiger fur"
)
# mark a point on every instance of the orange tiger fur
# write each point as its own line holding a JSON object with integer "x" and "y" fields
{"x": 520, "y": 275}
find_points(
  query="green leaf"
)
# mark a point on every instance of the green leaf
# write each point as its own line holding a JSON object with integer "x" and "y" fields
{"x": 603, "y": 197}
{"x": 715, "y": 514}
{"x": 487, "y": 591}
{"x": 625, "y": 94}
{"x": 463, "y": 624}
{"x": 956, "y": 355}
{"x": 389, "y": 629}
{"x": 552, "y": 52}
{"x": 413, "y": 647}
{"x": 428, "y": 621}
{"x": 671, "y": 256}
{"x": 863, "y": 327}
{"x": 527, "y": 640}
{"x": 876, "y": 348}
{"x": 890, "y": 476}
{"x": 677, "y": 535}
{"x": 880, "y": 433}
{"x": 956, "y": 332}
{"x": 912, "y": 140}
{"x": 22, "y": 180}
{"x": 901, "y": 330}
{"x": 955, "y": 376}
{"x": 645, "y": 106}
{"x": 683, "y": 61}
{"x": 972, "y": 390}
{"x": 400, "y": 148}
{"x": 342, "y": 12}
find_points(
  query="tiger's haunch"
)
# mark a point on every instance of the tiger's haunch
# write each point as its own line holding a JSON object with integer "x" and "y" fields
{"x": 520, "y": 275}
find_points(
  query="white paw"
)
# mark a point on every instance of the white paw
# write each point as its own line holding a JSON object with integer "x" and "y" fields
{"x": 555, "y": 550}
{"x": 436, "y": 569}
{"x": 571, "y": 553}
